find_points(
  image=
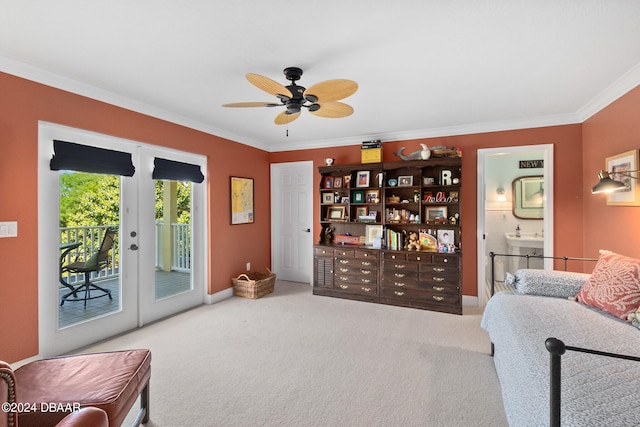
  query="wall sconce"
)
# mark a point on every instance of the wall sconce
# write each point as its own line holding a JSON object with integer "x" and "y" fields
{"x": 608, "y": 185}
{"x": 501, "y": 197}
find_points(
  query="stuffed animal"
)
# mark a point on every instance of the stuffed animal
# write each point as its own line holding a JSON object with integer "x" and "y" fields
{"x": 413, "y": 242}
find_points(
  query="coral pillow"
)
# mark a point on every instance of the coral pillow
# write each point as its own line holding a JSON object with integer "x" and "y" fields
{"x": 614, "y": 285}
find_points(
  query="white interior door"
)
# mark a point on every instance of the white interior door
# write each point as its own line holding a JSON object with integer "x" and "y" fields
{"x": 133, "y": 280}
{"x": 292, "y": 220}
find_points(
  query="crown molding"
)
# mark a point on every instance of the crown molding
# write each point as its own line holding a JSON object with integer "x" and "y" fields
{"x": 624, "y": 84}
{"x": 38, "y": 75}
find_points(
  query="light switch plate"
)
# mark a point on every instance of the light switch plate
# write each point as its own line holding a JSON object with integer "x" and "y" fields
{"x": 9, "y": 229}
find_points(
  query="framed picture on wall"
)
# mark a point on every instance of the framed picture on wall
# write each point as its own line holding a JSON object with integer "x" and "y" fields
{"x": 241, "y": 200}
{"x": 618, "y": 166}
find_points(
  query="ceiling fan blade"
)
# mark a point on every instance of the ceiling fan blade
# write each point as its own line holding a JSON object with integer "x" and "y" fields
{"x": 333, "y": 110}
{"x": 268, "y": 85}
{"x": 252, "y": 104}
{"x": 284, "y": 118}
{"x": 331, "y": 90}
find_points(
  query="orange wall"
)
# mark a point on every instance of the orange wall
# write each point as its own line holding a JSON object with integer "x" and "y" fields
{"x": 22, "y": 104}
{"x": 612, "y": 131}
{"x": 567, "y": 182}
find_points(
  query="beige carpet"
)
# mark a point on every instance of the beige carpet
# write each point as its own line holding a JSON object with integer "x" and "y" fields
{"x": 294, "y": 359}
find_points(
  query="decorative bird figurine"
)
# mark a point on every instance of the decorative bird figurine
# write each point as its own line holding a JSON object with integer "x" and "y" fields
{"x": 422, "y": 154}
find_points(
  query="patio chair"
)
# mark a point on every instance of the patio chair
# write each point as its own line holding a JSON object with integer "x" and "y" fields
{"x": 97, "y": 261}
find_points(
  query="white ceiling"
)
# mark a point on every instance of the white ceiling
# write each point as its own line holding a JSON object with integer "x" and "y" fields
{"x": 424, "y": 67}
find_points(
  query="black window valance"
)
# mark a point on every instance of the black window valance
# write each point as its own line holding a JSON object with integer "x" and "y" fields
{"x": 78, "y": 157}
{"x": 176, "y": 171}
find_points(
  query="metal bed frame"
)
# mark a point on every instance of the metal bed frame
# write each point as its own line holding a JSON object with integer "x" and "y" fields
{"x": 554, "y": 346}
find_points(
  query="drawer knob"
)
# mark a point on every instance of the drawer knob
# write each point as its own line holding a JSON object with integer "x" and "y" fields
{"x": 344, "y": 261}
{"x": 445, "y": 260}
{"x": 400, "y": 275}
{"x": 366, "y": 289}
{"x": 438, "y": 269}
{"x": 438, "y": 288}
{"x": 438, "y": 279}
{"x": 399, "y": 265}
{"x": 366, "y": 271}
{"x": 344, "y": 270}
{"x": 438, "y": 298}
{"x": 366, "y": 263}
{"x": 344, "y": 286}
{"x": 398, "y": 293}
{"x": 344, "y": 279}
{"x": 399, "y": 284}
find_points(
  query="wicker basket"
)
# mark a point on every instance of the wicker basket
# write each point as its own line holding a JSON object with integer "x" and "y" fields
{"x": 254, "y": 285}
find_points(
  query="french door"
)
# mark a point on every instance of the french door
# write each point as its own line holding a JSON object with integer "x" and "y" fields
{"x": 158, "y": 263}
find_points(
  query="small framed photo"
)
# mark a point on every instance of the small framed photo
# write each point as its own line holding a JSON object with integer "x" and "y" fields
{"x": 372, "y": 196}
{"x": 337, "y": 182}
{"x": 344, "y": 200}
{"x": 372, "y": 232}
{"x": 405, "y": 181}
{"x": 328, "y": 182}
{"x": 362, "y": 179}
{"x": 446, "y": 237}
{"x": 327, "y": 197}
{"x": 361, "y": 212}
{"x": 346, "y": 181}
{"x": 357, "y": 196}
{"x": 336, "y": 213}
{"x": 436, "y": 213}
{"x": 618, "y": 167}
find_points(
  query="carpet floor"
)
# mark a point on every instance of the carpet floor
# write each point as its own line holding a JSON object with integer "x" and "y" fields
{"x": 294, "y": 359}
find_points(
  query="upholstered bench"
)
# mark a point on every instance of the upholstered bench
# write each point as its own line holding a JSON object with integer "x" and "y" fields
{"x": 111, "y": 381}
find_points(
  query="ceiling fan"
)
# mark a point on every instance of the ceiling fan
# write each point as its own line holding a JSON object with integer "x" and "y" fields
{"x": 320, "y": 99}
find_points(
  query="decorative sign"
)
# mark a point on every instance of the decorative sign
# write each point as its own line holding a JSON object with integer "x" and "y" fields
{"x": 531, "y": 164}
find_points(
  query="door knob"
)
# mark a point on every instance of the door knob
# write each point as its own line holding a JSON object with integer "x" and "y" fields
{"x": 133, "y": 247}
{"x": 308, "y": 230}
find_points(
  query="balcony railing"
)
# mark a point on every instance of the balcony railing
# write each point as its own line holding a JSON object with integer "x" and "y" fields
{"x": 91, "y": 238}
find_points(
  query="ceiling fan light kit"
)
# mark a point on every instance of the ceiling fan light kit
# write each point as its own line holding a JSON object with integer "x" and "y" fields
{"x": 320, "y": 99}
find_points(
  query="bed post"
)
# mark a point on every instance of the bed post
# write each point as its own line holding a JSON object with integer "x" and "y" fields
{"x": 556, "y": 349}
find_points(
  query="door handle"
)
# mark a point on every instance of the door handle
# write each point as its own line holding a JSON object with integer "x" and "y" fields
{"x": 308, "y": 230}
{"x": 133, "y": 247}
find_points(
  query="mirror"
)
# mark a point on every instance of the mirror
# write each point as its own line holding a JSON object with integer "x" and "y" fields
{"x": 528, "y": 197}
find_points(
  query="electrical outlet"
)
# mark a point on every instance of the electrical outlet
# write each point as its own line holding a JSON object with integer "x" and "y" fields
{"x": 248, "y": 266}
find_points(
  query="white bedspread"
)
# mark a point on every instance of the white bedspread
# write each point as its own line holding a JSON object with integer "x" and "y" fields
{"x": 596, "y": 390}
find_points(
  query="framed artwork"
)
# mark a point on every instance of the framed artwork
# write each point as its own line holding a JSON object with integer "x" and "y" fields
{"x": 337, "y": 182}
{"x": 446, "y": 237}
{"x": 344, "y": 200}
{"x": 347, "y": 181}
{"x": 371, "y": 232}
{"x": 372, "y": 196}
{"x": 327, "y": 197}
{"x": 241, "y": 200}
{"x": 357, "y": 196}
{"x": 336, "y": 213}
{"x": 405, "y": 181}
{"x": 328, "y": 182}
{"x": 362, "y": 179}
{"x": 434, "y": 213}
{"x": 361, "y": 212}
{"x": 622, "y": 164}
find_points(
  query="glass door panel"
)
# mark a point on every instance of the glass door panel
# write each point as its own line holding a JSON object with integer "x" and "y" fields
{"x": 173, "y": 238}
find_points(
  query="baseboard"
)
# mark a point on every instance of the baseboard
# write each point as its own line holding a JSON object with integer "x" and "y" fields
{"x": 468, "y": 300}
{"x": 218, "y": 296}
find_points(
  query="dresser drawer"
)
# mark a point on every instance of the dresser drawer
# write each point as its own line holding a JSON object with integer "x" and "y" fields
{"x": 394, "y": 256}
{"x": 450, "y": 260}
{"x": 399, "y": 266}
{"x": 368, "y": 255}
{"x": 440, "y": 288}
{"x": 396, "y": 283}
{"x": 419, "y": 296}
{"x": 355, "y": 271}
{"x": 354, "y": 279}
{"x": 360, "y": 289}
{"x": 420, "y": 257}
{"x": 344, "y": 253}
{"x": 400, "y": 274}
{"x": 370, "y": 264}
{"x": 323, "y": 252}
{"x": 439, "y": 277}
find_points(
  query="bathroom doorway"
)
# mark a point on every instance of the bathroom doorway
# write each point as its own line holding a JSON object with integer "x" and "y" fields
{"x": 508, "y": 205}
